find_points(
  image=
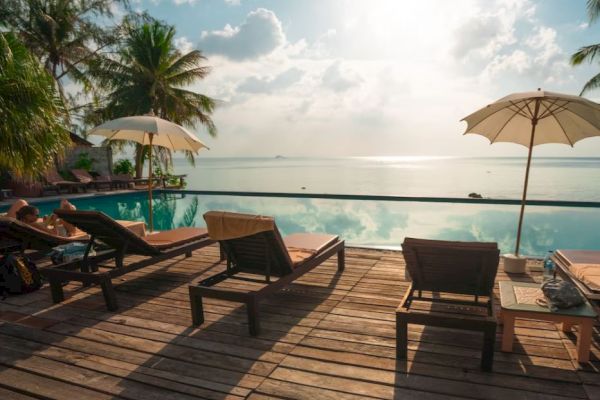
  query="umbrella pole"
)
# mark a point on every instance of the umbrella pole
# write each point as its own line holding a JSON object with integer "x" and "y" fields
{"x": 151, "y": 223}
{"x": 534, "y": 122}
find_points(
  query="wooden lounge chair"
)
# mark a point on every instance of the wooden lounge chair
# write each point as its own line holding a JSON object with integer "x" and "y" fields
{"x": 56, "y": 182}
{"x": 121, "y": 242}
{"x": 26, "y": 237}
{"x": 85, "y": 178}
{"x": 582, "y": 267}
{"x": 454, "y": 268}
{"x": 254, "y": 245}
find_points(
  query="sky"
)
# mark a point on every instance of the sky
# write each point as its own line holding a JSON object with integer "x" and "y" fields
{"x": 375, "y": 78}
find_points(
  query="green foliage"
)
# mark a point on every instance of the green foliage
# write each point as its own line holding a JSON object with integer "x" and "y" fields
{"x": 123, "y": 166}
{"x": 589, "y": 53}
{"x": 64, "y": 34}
{"x": 84, "y": 161}
{"x": 32, "y": 133}
{"x": 148, "y": 73}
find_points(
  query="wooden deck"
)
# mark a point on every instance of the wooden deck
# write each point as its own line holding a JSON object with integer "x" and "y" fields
{"x": 328, "y": 336}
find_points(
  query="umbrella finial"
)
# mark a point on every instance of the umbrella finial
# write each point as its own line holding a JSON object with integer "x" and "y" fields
{"x": 151, "y": 112}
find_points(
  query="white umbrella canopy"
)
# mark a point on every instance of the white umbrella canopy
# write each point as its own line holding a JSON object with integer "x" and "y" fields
{"x": 533, "y": 118}
{"x": 141, "y": 127}
{"x": 152, "y": 131}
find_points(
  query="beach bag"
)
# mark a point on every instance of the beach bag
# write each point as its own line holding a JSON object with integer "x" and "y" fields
{"x": 70, "y": 252}
{"x": 18, "y": 275}
{"x": 561, "y": 294}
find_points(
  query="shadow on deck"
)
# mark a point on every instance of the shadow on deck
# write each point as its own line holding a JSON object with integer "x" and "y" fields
{"x": 327, "y": 336}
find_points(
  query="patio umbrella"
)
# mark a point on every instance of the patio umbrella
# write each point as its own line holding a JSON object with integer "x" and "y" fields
{"x": 152, "y": 131}
{"x": 533, "y": 118}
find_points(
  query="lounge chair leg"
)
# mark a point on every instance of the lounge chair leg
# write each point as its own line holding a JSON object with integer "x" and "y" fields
{"x": 56, "y": 289}
{"x": 197, "y": 308}
{"x": 401, "y": 337}
{"x": 188, "y": 254}
{"x": 253, "y": 319}
{"x": 487, "y": 354}
{"x": 110, "y": 297}
{"x": 222, "y": 256}
{"x": 341, "y": 258}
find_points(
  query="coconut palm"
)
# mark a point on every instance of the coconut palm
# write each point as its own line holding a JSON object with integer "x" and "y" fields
{"x": 149, "y": 74}
{"x": 64, "y": 34}
{"x": 31, "y": 132}
{"x": 589, "y": 53}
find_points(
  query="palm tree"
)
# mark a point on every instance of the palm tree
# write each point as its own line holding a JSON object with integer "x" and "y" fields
{"x": 31, "y": 132}
{"x": 63, "y": 34}
{"x": 149, "y": 74}
{"x": 589, "y": 53}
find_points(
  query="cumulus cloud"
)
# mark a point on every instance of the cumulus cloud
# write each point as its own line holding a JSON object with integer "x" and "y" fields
{"x": 183, "y": 44}
{"x": 233, "y": 2}
{"x": 260, "y": 34}
{"x": 338, "y": 78}
{"x": 285, "y": 79}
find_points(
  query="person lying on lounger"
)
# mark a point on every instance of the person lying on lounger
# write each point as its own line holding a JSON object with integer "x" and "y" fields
{"x": 51, "y": 223}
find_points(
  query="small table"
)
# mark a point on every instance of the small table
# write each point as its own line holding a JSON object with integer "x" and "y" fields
{"x": 517, "y": 300}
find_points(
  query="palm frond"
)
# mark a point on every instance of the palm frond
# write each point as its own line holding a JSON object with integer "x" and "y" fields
{"x": 586, "y": 53}
{"x": 592, "y": 84}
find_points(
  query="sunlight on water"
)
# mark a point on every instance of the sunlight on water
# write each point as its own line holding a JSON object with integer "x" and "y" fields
{"x": 371, "y": 223}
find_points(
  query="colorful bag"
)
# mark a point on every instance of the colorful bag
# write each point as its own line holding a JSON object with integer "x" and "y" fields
{"x": 18, "y": 275}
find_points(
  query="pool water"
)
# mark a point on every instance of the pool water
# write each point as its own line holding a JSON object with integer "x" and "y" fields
{"x": 369, "y": 223}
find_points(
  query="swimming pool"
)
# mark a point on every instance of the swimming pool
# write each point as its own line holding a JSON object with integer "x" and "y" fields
{"x": 368, "y": 222}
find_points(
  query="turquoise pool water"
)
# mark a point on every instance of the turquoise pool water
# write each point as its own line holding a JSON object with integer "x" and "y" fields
{"x": 370, "y": 223}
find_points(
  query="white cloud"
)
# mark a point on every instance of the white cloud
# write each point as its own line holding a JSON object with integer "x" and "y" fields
{"x": 183, "y": 44}
{"x": 180, "y": 2}
{"x": 233, "y": 2}
{"x": 285, "y": 79}
{"x": 260, "y": 34}
{"x": 340, "y": 79}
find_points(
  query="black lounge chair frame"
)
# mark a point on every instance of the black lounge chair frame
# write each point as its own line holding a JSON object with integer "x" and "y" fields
{"x": 464, "y": 268}
{"x": 268, "y": 249}
{"x": 121, "y": 242}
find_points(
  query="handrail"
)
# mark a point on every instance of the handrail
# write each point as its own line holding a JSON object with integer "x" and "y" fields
{"x": 551, "y": 203}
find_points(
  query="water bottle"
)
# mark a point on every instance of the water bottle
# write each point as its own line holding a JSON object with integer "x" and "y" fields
{"x": 548, "y": 266}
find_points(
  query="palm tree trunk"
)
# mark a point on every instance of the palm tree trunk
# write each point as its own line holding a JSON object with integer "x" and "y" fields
{"x": 139, "y": 160}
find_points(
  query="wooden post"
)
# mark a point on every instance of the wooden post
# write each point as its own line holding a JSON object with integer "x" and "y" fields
{"x": 534, "y": 122}
{"x": 151, "y": 224}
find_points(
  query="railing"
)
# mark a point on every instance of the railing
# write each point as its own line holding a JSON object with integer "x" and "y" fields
{"x": 460, "y": 200}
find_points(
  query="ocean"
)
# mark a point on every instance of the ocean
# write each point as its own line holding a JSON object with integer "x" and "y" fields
{"x": 499, "y": 178}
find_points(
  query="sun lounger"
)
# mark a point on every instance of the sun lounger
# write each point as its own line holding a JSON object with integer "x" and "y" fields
{"x": 254, "y": 245}
{"x": 456, "y": 268}
{"x": 582, "y": 267}
{"x": 84, "y": 177}
{"x": 121, "y": 242}
{"x": 56, "y": 182}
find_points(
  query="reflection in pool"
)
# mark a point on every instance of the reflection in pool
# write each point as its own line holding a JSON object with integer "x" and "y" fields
{"x": 371, "y": 223}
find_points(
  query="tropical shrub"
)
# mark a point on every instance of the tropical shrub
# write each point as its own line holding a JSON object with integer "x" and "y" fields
{"x": 32, "y": 133}
{"x": 123, "y": 166}
{"x": 84, "y": 161}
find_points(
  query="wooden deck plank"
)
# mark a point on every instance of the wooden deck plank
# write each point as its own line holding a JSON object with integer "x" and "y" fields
{"x": 326, "y": 336}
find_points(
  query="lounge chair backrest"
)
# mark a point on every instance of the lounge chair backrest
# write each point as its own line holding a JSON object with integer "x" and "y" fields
{"x": 453, "y": 267}
{"x": 261, "y": 252}
{"x": 52, "y": 176}
{"x": 82, "y": 175}
{"x": 105, "y": 229}
{"x": 29, "y": 237}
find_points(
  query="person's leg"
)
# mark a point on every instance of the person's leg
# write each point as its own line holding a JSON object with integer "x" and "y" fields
{"x": 71, "y": 229}
{"x": 17, "y": 205}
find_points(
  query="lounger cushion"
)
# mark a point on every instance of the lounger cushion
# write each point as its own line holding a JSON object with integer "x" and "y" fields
{"x": 304, "y": 246}
{"x": 588, "y": 274}
{"x": 175, "y": 237}
{"x": 224, "y": 225}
